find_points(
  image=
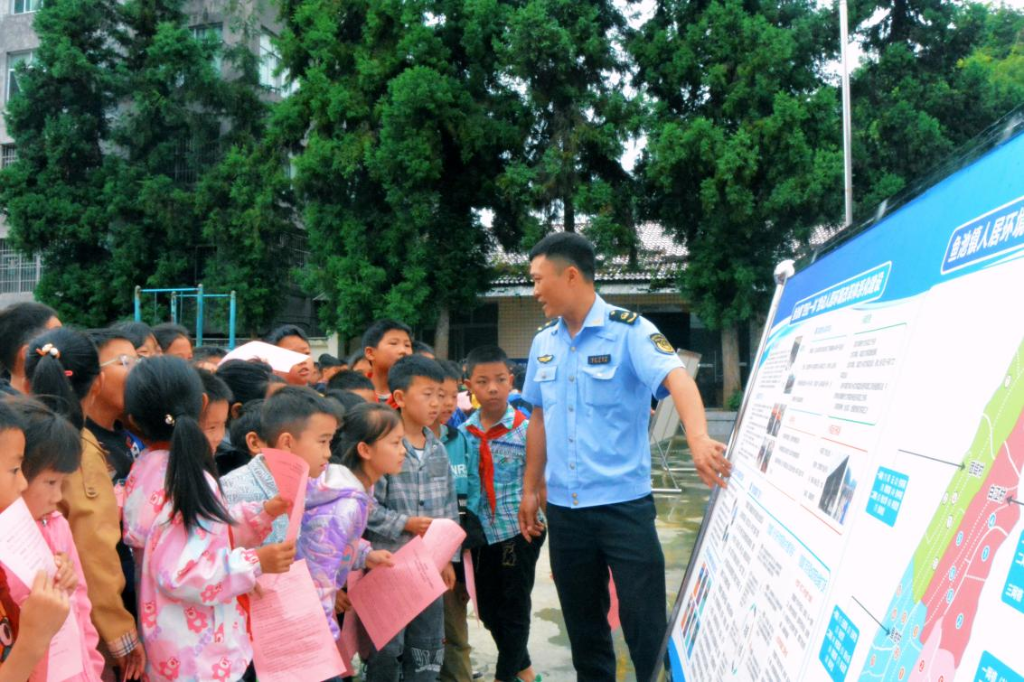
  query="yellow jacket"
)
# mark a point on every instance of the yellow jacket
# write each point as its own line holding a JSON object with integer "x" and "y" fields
{"x": 91, "y": 509}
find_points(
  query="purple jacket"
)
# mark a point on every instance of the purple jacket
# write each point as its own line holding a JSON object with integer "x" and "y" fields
{"x": 337, "y": 506}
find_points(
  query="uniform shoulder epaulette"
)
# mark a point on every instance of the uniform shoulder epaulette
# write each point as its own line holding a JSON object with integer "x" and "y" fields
{"x": 548, "y": 325}
{"x": 625, "y": 316}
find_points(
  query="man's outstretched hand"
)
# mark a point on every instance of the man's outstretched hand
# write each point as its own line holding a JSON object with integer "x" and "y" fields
{"x": 709, "y": 458}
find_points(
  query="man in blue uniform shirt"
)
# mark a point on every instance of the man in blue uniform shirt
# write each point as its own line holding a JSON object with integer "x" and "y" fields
{"x": 591, "y": 373}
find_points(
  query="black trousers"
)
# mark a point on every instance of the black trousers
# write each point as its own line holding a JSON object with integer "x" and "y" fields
{"x": 504, "y": 582}
{"x": 585, "y": 543}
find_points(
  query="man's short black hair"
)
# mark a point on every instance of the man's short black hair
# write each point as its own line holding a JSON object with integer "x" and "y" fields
{"x": 101, "y": 337}
{"x": 570, "y": 248}
{"x": 289, "y": 410}
{"x": 422, "y": 347}
{"x": 19, "y": 323}
{"x": 136, "y": 332}
{"x": 347, "y": 399}
{"x": 284, "y": 331}
{"x": 169, "y": 332}
{"x": 451, "y": 370}
{"x": 250, "y": 418}
{"x": 327, "y": 360}
{"x": 348, "y": 380}
{"x": 402, "y": 373}
{"x": 518, "y": 376}
{"x": 376, "y": 331}
{"x": 9, "y": 419}
{"x": 484, "y": 355}
{"x": 215, "y": 388}
{"x": 200, "y": 353}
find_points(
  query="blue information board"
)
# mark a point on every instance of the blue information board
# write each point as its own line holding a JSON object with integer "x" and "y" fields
{"x": 872, "y": 529}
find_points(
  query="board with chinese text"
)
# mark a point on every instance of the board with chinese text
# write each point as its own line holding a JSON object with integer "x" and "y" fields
{"x": 872, "y": 528}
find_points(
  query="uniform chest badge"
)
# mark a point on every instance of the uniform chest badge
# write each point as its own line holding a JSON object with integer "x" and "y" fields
{"x": 599, "y": 359}
{"x": 544, "y": 359}
{"x": 662, "y": 344}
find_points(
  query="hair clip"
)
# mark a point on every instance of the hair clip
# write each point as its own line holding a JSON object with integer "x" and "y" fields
{"x": 68, "y": 373}
{"x": 169, "y": 420}
{"x": 48, "y": 349}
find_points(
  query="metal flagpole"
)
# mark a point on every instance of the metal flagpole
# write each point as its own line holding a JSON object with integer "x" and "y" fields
{"x": 844, "y": 37}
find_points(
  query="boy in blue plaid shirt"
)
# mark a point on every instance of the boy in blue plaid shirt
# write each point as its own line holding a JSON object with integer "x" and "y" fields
{"x": 406, "y": 504}
{"x": 505, "y": 568}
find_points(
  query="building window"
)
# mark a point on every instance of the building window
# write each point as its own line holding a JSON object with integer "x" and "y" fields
{"x": 270, "y": 62}
{"x": 25, "y": 6}
{"x": 13, "y": 60}
{"x": 211, "y": 34}
{"x": 18, "y": 274}
{"x": 8, "y": 155}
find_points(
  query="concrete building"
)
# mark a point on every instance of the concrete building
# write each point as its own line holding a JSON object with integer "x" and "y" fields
{"x": 508, "y": 315}
{"x": 18, "y": 41}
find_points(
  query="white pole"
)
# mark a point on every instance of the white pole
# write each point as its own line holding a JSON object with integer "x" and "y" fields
{"x": 847, "y": 125}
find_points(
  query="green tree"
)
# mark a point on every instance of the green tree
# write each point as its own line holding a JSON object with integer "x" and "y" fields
{"x": 53, "y": 197}
{"x": 566, "y": 56}
{"x": 743, "y": 156}
{"x": 936, "y": 74}
{"x": 246, "y": 200}
{"x": 402, "y": 129}
{"x": 168, "y": 138}
{"x": 131, "y": 144}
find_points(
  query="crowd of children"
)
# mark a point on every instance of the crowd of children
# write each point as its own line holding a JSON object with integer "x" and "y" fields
{"x": 144, "y": 463}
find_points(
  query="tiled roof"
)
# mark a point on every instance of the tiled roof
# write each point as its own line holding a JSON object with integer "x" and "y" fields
{"x": 659, "y": 258}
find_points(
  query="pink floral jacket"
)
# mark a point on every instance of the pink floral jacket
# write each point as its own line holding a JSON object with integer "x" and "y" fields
{"x": 57, "y": 533}
{"x": 188, "y": 583}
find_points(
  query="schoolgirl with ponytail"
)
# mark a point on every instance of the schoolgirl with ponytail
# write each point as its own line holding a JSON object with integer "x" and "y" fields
{"x": 184, "y": 537}
{"x": 61, "y": 370}
{"x": 60, "y": 366}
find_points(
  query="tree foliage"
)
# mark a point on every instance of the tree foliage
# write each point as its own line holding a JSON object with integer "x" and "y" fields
{"x": 743, "y": 155}
{"x": 401, "y": 131}
{"x": 566, "y": 57}
{"x": 415, "y": 121}
{"x": 54, "y": 196}
{"x": 121, "y": 117}
{"x": 936, "y": 74}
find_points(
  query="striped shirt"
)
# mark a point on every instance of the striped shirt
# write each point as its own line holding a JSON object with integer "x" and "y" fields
{"x": 509, "y": 455}
{"x": 424, "y": 487}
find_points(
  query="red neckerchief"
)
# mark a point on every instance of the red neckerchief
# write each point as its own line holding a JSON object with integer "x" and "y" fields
{"x": 486, "y": 458}
{"x": 389, "y": 401}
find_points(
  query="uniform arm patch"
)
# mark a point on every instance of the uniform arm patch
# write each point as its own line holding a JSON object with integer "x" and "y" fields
{"x": 662, "y": 344}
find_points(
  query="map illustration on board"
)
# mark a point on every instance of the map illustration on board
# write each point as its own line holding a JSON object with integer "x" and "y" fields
{"x": 929, "y": 621}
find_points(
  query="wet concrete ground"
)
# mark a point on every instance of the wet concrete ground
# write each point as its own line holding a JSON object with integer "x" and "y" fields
{"x": 679, "y": 518}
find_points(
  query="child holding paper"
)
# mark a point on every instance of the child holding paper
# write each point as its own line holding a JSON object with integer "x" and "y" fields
{"x": 385, "y": 342}
{"x": 53, "y": 449}
{"x": 297, "y": 420}
{"x": 407, "y": 503}
{"x": 29, "y": 626}
{"x": 338, "y": 502}
{"x": 192, "y": 577}
{"x": 505, "y": 567}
